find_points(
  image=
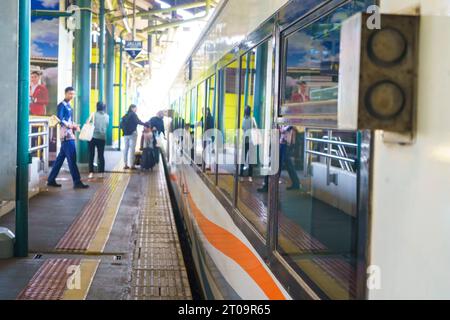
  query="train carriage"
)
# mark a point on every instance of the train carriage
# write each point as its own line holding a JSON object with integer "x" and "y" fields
{"x": 319, "y": 228}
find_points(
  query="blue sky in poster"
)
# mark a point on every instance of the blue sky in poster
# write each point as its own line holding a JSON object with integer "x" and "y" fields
{"x": 44, "y": 31}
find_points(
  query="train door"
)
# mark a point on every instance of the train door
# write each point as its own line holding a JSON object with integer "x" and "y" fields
{"x": 318, "y": 221}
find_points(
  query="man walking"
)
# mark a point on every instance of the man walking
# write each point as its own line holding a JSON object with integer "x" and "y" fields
{"x": 68, "y": 148}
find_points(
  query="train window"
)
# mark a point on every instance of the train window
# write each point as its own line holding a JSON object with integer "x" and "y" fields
{"x": 256, "y": 103}
{"x": 187, "y": 113}
{"x": 180, "y": 112}
{"x": 193, "y": 107}
{"x": 209, "y": 123}
{"x": 198, "y": 131}
{"x": 311, "y": 62}
{"x": 228, "y": 112}
{"x": 317, "y": 214}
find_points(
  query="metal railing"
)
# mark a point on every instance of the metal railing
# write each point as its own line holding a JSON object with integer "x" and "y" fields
{"x": 39, "y": 141}
{"x": 330, "y": 153}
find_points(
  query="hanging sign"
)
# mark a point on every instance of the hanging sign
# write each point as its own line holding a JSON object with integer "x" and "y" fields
{"x": 133, "y": 48}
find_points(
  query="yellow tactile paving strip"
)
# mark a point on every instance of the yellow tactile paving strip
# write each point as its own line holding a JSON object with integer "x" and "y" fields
{"x": 87, "y": 270}
{"x": 61, "y": 279}
{"x": 90, "y": 230}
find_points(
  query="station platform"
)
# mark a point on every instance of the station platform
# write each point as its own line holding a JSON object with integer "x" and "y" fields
{"x": 116, "y": 240}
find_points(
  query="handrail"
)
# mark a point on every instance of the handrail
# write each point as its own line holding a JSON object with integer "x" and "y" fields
{"x": 337, "y": 142}
{"x": 42, "y": 145}
{"x": 330, "y": 153}
{"x": 326, "y": 155}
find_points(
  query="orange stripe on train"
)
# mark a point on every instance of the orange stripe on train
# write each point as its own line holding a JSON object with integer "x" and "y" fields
{"x": 235, "y": 249}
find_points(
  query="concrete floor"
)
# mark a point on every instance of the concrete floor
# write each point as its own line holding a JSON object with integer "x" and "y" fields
{"x": 51, "y": 214}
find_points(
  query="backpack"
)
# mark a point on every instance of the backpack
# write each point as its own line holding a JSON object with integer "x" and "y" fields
{"x": 124, "y": 124}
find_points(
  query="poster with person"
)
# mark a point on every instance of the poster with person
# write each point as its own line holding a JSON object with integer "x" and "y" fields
{"x": 44, "y": 70}
{"x": 44, "y": 60}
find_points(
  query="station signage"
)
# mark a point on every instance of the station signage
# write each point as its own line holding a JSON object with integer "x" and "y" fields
{"x": 133, "y": 48}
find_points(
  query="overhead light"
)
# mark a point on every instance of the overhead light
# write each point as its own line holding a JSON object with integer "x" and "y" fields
{"x": 185, "y": 14}
{"x": 125, "y": 23}
{"x": 110, "y": 6}
{"x": 136, "y": 64}
{"x": 164, "y": 5}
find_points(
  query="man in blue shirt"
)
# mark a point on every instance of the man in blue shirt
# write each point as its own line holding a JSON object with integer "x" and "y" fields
{"x": 68, "y": 149}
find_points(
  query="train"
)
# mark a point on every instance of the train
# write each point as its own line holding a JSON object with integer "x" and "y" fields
{"x": 358, "y": 206}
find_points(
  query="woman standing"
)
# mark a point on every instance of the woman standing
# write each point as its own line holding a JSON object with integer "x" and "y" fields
{"x": 129, "y": 125}
{"x": 248, "y": 124}
{"x": 101, "y": 121}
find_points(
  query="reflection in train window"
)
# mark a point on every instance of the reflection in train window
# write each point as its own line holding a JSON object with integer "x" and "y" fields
{"x": 198, "y": 130}
{"x": 256, "y": 100}
{"x": 228, "y": 111}
{"x": 317, "y": 221}
{"x": 312, "y": 58}
{"x": 210, "y": 123}
{"x": 317, "y": 216}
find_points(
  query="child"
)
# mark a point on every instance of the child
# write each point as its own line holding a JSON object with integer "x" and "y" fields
{"x": 148, "y": 141}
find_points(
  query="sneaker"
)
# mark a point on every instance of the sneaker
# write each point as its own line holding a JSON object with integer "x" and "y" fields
{"x": 126, "y": 168}
{"x": 91, "y": 175}
{"x": 250, "y": 179}
{"x": 80, "y": 185}
{"x": 53, "y": 184}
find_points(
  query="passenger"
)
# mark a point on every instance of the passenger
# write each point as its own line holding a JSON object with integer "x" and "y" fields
{"x": 248, "y": 123}
{"x": 209, "y": 123}
{"x": 148, "y": 144}
{"x": 38, "y": 95}
{"x": 68, "y": 149}
{"x": 206, "y": 125}
{"x": 157, "y": 125}
{"x": 287, "y": 143}
{"x": 101, "y": 121}
{"x": 188, "y": 144}
{"x": 129, "y": 124}
{"x": 302, "y": 94}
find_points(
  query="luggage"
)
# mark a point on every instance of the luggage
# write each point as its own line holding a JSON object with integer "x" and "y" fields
{"x": 147, "y": 159}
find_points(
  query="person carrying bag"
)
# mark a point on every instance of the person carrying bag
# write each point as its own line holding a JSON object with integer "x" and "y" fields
{"x": 87, "y": 131}
{"x": 99, "y": 121}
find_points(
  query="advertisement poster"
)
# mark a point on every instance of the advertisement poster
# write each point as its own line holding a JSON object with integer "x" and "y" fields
{"x": 44, "y": 68}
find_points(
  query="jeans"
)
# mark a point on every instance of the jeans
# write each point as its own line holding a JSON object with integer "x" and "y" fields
{"x": 250, "y": 165}
{"x": 130, "y": 149}
{"x": 285, "y": 158}
{"x": 100, "y": 145}
{"x": 69, "y": 151}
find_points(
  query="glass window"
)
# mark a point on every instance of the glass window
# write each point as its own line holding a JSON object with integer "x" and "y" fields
{"x": 312, "y": 58}
{"x": 187, "y": 115}
{"x": 318, "y": 215}
{"x": 201, "y": 99}
{"x": 256, "y": 101}
{"x": 228, "y": 112}
{"x": 209, "y": 123}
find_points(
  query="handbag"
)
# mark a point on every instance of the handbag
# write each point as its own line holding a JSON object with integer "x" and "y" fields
{"x": 255, "y": 134}
{"x": 87, "y": 132}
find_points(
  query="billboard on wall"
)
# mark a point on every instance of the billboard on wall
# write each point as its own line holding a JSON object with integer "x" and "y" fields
{"x": 44, "y": 68}
{"x": 44, "y": 60}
